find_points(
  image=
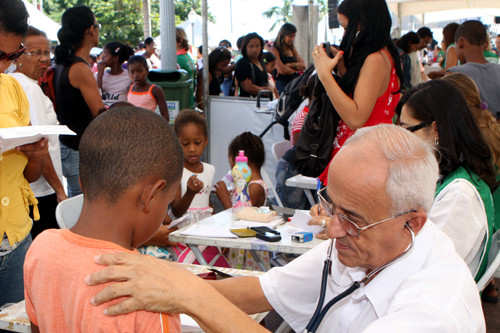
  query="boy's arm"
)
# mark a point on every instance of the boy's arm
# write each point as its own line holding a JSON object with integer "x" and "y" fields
{"x": 162, "y": 103}
{"x": 34, "y": 328}
{"x": 160, "y": 238}
{"x": 181, "y": 204}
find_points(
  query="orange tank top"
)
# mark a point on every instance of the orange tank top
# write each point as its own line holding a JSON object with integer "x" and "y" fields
{"x": 143, "y": 99}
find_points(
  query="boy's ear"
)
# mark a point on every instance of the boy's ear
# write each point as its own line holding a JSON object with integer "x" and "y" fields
{"x": 150, "y": 193}
{"x": 460, "y": 43}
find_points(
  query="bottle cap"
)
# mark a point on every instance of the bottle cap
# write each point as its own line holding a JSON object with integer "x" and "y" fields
{"x": 241, "y": 157}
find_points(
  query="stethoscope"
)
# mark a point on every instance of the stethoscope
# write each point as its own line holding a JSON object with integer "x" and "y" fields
{"x": 321, "y": 311}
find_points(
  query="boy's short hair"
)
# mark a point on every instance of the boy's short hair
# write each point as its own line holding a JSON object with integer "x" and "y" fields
{"x": 253, "y": 147}
{"x": 187, "y": 116}
{"x": 124, "y": 146}
{"x": 473, "y": 31}
{"x": 424, "y": 32}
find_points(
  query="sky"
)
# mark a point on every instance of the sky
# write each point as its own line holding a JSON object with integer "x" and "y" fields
{"x": 246, "y": 16}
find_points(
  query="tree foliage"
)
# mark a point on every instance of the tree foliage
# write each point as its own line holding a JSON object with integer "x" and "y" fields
{"x": 284, "y": 13}
{"x": 122, "y": 20}
{"x": 183, "y": 7}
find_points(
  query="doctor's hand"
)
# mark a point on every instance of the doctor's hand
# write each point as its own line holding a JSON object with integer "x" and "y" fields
{"x": 147, "y": 283}
{"x": 319, "y": 217}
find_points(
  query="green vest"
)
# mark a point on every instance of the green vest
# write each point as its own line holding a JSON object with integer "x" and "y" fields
{"x": 485, "y": 193}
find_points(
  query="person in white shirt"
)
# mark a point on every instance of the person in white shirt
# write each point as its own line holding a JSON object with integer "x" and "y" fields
{"x": 30, "y": 66}
{"x": 410, "y": 277}
{"x": 114, "y": 82}
{"x": 463, "y": 205}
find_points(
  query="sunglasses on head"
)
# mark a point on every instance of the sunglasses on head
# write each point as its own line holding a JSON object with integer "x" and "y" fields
{"x": 13, "y": 55}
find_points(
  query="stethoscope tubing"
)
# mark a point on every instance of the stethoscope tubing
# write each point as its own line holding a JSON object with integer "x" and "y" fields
{"x": 321, "y": 311}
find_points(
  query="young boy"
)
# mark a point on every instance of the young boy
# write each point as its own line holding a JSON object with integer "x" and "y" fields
{"x": 130, "y": 169}
{"x": 470, "y": 42}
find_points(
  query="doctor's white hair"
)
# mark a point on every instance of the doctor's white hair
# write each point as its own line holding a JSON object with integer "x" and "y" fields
{"x": 413, "y": 168}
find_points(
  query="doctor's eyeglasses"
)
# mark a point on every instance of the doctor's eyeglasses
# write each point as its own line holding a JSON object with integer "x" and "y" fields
{"x": 350, "y": 227}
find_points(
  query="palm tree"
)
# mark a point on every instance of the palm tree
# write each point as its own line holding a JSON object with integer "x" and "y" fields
{"x": 283, "y": 14}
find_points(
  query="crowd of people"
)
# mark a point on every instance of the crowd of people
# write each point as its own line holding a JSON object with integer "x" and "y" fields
{"x": 408, "y": 196}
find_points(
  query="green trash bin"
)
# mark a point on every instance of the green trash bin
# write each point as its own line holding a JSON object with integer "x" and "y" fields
{"x": 177, "y": 88}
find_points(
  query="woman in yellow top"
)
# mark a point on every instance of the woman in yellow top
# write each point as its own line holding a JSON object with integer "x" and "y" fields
{"x": 18, "y": 166}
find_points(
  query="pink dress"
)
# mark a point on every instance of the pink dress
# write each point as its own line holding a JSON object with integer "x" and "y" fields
{"x": 382, "y": 113}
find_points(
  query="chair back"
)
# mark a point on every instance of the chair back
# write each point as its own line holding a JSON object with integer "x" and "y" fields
{"x": 493, "y": 262}
{"x": 270, "y": 185}
{"x": 280, "y": 148}
{"x": 68, "y": 211}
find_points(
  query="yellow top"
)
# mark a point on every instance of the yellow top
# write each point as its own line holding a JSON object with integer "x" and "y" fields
{"x": 15, "y": 191}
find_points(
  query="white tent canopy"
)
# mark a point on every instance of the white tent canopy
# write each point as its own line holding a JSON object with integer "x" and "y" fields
{"x": 42, "y": 22}
{"x": 417, "y": 7}
{"x": 215, "y": 33}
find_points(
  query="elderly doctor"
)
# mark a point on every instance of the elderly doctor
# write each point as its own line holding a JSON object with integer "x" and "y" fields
{"x": 391, "y": 268}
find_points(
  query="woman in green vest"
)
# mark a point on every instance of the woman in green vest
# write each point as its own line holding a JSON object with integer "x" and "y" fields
{"x": 184, "y": 60}
{"x": 463, "y": 208}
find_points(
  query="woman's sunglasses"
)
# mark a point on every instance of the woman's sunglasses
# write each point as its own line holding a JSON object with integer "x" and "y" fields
{"x": 12, "y": 56}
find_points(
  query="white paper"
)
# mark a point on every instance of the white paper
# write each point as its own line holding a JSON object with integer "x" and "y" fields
{"x": 300, "y": 220}
{"x": 210, "y": 231}
{"x": 13, "y": 137}
{"x": 302, "y": 182}
{"x": 245, "y": 223}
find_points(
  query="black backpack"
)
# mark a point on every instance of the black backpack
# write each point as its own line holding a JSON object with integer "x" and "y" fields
{"x": 314, "y": 147}
{"x": 292, "y": 98}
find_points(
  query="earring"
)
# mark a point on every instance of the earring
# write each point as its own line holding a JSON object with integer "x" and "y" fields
{"x": 19, "y": 65}
{"x": 436, "y": 142}
{"x": 357, "y": 33}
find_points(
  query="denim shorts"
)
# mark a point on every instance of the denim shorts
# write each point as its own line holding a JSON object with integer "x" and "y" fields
{"x": 70, "y": 159}
{"x": 11, "y": 273}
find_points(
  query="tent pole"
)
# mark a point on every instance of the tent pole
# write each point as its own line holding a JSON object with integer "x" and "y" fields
{"x": 310, "y": 45}
{"x": 400, "y": 20}
{"x": 167, "y": 29}
{"x": 206, "y": 104}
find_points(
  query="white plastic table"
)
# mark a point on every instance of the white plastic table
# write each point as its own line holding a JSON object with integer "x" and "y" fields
{"x": 305, "y": 183}
{"x": 253, "y": 244}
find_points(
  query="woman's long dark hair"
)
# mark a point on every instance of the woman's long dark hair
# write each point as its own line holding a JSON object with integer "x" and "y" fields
{"x": 75, "y": 21}
{"x": 13, "y": 17}
{"x": 218, "y": 55}
{"x": 285, "y": 30}
{"x": 460, "y": 140}
{"x": 374, "y": 21}
{"x": 247, "y": 39}
{"x": 407, "y": 40}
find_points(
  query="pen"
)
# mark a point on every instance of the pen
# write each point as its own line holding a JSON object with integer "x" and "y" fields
{"x": 318, "y": 188}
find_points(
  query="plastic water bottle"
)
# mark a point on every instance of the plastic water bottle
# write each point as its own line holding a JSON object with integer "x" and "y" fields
{"x": 241, "y": 176}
